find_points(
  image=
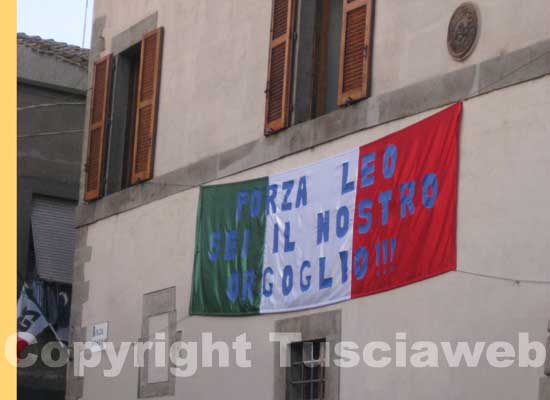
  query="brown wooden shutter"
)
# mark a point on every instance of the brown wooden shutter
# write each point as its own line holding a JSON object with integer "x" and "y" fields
{"x": 147, "y": 104}
{"x": 97, "y": 131}
{"x": 280, "y": 55}
{"x": 355, "y": 51}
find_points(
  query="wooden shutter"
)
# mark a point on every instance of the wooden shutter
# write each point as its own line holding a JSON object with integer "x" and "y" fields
{"x": 97, "y": 131}
{"x": 280, "y": 54}
{"x": 355, "y": 51}
{"x": 147, "y": 105}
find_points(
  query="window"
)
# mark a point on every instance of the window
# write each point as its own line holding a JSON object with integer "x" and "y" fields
{"x": 306, "y": 378}
{"x": 50, "y": 263}
{"x": 319, "y": 58}
{"x": 315, "y": 59}
{"x": 54, "y": 298}
{"x": 309, "y": 375}
{"x": 123, "y": 117}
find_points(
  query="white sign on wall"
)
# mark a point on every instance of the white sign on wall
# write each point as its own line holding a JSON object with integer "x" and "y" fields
{"x": 98, "y": 335}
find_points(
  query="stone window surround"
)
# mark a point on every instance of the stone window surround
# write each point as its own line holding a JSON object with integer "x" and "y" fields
{"x": 327, "y": 325}
{"x": 133, "y": 34}
{"x": 154, "y": 303}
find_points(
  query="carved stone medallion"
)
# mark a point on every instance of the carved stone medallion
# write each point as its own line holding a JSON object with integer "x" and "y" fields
{"x": 463, "y": 31}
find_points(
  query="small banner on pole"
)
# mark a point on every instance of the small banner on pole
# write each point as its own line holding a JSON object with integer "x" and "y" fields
{"x": 372, "y": 219}
{"x": 30, "y": 321}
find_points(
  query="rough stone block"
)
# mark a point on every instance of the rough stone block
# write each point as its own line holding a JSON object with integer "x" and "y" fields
{"x": 133, "y": 35}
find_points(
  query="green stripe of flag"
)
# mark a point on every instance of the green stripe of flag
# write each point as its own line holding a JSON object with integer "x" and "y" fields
{"x": 229, "y": 246}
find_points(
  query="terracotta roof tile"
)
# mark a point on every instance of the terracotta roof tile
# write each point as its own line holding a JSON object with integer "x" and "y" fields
{"x": 65, "y": 52}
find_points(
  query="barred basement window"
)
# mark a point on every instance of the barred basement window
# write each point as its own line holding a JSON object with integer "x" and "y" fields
{"x": 309, "y": 375}
{"x": 306, "y": 378}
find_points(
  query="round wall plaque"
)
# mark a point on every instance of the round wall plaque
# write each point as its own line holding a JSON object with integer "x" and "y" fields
{"x": 463, "y": 31}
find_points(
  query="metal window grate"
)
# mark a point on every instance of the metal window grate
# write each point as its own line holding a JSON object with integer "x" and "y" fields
{"x": 307, "y": 372}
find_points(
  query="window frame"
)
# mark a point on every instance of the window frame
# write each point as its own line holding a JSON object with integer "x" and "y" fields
{"x": 117, "y": 161}
{"x": 305, "y": 370}
{"x": 123, "y": 114}
{"x": 298, "y": 90}
{"x": 326, "y": 325}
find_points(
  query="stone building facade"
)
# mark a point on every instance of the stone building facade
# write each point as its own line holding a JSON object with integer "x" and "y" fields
{"x": 137, "y": 213}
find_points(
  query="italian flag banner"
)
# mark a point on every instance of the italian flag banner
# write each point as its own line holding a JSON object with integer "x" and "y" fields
{"x": 372, "y": 219}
